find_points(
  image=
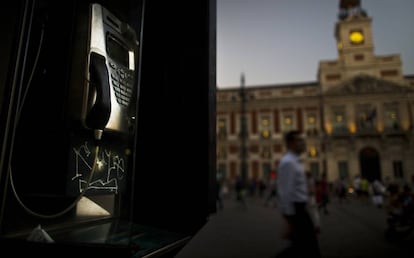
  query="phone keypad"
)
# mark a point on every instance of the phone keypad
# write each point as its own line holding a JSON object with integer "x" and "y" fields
{"x": 123, "y": 82}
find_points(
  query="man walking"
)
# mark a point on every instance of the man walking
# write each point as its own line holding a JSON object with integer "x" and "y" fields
{"x": 293, "y": 198}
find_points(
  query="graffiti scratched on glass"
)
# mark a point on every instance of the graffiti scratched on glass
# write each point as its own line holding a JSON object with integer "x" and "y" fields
{"x": 110, "y": 169}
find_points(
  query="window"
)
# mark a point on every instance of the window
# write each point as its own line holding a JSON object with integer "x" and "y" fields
{"x": 398, "y": 169}
{"x": 287, "y": 123}
{"x": 221, "y": 171}
{"x": 266, "y": 152}
{"x": 312, "y": 152}
{"x": 233, "y": 149}
{"x": 333, "y": 77}
{"x": 343, "y": 169}
{"x": 391, "y": 121}
{"x": 387, "y": 73}
{"x": 264, "y": 127}
{"x": 314, "y": 169}
{"x": 277, "y": 148}
{"x": 222, "y": 152}
{"x": 266, "y": 170}
{"x": 222, "y": 129}
{"x": 391, "y": 116}
{"x": 359, "y": 57}
{"x": 311, "y": 120}
{"x": 366, "y": 115}
{"x": 311, "y": 124}
{"x": 339, "y": 122}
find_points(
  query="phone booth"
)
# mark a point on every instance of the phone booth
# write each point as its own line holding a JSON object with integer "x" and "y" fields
{"x": 95, "y": 99}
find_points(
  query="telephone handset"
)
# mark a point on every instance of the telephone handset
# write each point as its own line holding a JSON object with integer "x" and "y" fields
{"x": 112, "y": 54}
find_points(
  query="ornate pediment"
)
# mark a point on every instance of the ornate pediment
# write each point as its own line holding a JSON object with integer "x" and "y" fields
{"x": 365, "y": 84}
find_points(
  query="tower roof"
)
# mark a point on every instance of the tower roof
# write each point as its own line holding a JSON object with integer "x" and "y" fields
{"x": 350, "y": 8}
{"x": 349, "y": 4}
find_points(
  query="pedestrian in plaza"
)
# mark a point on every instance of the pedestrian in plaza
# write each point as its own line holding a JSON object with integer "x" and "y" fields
{"x": 241, "y": 191}
{"x": 272, "y": 193}
{"x": 293, "y": 200}
{"x": 357, "y": 186}
{"x": 365, "y": 188}
{"x": 322, "y": 196}
{"x": 378, "y": 191}
{"x": 219, "y": 194}
{"x": 313, "y": 207}
{"x": 262, "y": 187}
{"x": 341, "y": 189}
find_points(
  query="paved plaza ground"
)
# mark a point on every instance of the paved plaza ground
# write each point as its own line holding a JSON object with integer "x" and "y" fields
{"x": 352, "y": 229}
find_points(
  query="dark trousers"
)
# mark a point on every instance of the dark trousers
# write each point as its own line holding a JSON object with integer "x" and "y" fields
{"x": 304, "y": 240}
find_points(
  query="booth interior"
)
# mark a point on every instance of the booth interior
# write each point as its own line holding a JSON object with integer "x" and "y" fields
{"x": 107, "y": 126}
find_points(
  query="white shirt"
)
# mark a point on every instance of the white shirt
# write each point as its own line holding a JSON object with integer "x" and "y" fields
{"x": 291, "y": 183}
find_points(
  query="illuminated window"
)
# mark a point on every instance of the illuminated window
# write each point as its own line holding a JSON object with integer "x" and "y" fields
{"x": 391, "y": 119}
{"x": 311, "y": 119}
{"x": 222, "y": 128}
{"x": 265, "y": 134}
{"x": 265, "y": 127}
{"x": 287, "y": 122}
{"x": 367, "y": 115}
{"x": 312, "y": 152}
{"x": 311, "y": 127}
{"x": 339, "y": 121}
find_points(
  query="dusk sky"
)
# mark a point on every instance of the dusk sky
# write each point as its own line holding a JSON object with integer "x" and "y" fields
{"x": 282, "y": 41}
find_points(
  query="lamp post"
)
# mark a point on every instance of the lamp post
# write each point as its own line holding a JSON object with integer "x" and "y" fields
{"x": 323, "y": 133}
{"x": 243, "y": 130}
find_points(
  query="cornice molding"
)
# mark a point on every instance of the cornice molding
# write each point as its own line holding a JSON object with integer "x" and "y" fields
{"x": 365, "y": 84}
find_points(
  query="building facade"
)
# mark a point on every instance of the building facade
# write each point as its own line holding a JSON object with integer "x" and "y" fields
{"x": 357, "y": 118}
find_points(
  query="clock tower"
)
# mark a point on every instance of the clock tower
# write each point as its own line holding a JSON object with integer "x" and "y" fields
{"x": 355, "y": 46}
{"x": 353, "y": 33}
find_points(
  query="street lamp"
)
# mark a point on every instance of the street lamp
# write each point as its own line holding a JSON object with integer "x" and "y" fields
{"x": 243, "y": 130}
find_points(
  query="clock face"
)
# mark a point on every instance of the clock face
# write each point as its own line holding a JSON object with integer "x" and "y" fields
{"x": 356, "y": 37}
